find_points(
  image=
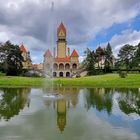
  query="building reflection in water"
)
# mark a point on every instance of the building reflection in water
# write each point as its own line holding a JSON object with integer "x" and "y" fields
{"x": 12, "y": 101}
{"x": 61, "y": 114}
{"x": 102, "y": 99}
{"x": 69, "y": 100}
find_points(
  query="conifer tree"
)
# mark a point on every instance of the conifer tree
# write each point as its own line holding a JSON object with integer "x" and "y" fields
{"x": 108, "y": 57}
{"x": 89, "y": 62}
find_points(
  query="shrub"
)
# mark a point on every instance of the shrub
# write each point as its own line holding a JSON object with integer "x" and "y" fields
{"x": 2, "y": 74}
{"x": 32, "y": 74}
{"x": 122, "y": 74}
{"x": 78, "y": 75}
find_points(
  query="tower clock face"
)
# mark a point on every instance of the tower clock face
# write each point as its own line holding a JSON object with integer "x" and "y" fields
{"x": 61, "y": 33}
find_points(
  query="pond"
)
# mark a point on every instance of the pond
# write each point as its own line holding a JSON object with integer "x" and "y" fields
{"x": 69, "y": 114}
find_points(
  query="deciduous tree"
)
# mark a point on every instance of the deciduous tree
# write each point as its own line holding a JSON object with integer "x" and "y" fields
{"x": 125, "y": 56}
{"x": 10, "y": 58}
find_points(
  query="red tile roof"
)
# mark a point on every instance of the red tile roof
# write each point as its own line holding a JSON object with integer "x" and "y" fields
{"x": 34, "y": 65}
{"x": 65, "y": 59}
{"x": 61, "y": 27}
{"x": 48, "y": 53}
{"x": 22, "y": 48}
{"x": 74, "y": 53}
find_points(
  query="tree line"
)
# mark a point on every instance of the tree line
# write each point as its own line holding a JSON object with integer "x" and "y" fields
{"x": 103, "y": 61}
{"x": 96, "y": 62}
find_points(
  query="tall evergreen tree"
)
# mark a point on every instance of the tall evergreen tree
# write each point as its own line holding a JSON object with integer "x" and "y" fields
{"x": 108, "y": 57}
{"x": 89, "y": 62}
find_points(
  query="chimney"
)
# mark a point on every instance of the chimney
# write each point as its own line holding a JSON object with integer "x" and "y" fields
{"x": 68, "y": 52}
{"x": 54, "y": 52}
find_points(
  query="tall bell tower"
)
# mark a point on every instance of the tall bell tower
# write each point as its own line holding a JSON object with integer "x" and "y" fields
{"x": 61, "y": 41}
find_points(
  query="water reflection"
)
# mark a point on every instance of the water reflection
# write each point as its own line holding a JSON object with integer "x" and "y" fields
{"x": 12, "y": 101}
{"x": 70, "y": 100}
{"x": 61, "y": 114}
{"x": 129, "y": 101}
{"x": 79, "y": 112}
{"x": 100, "y": 98}
{"x": 68, "y": 93}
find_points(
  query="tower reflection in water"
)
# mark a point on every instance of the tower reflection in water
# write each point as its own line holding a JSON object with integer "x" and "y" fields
{"x": 61, "y": 114}
{"x": 101, "y": 99}
{"x": 69, "y": 100}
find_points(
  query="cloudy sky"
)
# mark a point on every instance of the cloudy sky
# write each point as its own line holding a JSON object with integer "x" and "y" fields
{"x": 89, "y": 23}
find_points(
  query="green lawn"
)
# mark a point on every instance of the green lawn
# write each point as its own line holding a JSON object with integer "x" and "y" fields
{"x": 109, "y": 80}
{"x": 15, "y": 81}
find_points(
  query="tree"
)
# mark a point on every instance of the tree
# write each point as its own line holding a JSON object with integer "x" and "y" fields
{"x": 125, "y": 56}
{"x": 136, "y": 59}
{"x": 108, "y": 58}
{"x": 89, "y": 62}
{"x": 10, "y": 58}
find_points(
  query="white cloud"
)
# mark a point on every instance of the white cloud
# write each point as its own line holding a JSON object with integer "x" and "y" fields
{"x": 81, "y": 58}
{"x": 4, "y": 37}
{"x": 131, "y": 37}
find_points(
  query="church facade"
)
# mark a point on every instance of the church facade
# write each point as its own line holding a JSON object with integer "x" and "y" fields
{"x": 60, "y": 62}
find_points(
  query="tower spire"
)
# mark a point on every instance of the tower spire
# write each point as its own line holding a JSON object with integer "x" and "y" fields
{"x": 61, "y": 41}
{"x": 61, "y": 27}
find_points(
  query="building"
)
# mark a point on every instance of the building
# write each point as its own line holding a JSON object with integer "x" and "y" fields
{"x": 60, "y": 63}
{"x": 37, "y": 66}
{"x": 100, "y": 62}
{"x": 26, "y": 57}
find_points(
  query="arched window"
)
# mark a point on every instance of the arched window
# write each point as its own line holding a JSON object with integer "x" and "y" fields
{"x": 67, "y": 66}
{"x": 74, "y": 66}
{"x": 67, "y": 74}
{"x": 54, "y": 74}
{"x": 61, "y": 66}
{"x": 61, "y": 74}
{"x": 55, "y": 66}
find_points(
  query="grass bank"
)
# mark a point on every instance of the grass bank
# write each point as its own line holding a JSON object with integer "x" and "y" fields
{"x": 15, "y": 81}
{"x": 109, "y": 80}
